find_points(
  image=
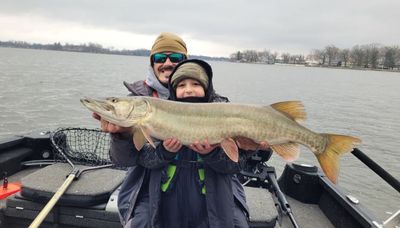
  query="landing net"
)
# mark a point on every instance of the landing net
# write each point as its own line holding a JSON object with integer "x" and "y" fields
{"x": 81, "y": 146}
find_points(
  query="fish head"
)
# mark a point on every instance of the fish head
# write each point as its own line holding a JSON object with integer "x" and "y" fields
{"x": 122, "y": 111}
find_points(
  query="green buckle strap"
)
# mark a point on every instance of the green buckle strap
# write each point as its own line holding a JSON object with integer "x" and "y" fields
{"x": 202, "y": 177}
{"x": 171, "y": 169}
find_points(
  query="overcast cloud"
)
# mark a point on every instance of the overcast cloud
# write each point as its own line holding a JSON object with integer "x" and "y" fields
{"x": 214, "y": 28}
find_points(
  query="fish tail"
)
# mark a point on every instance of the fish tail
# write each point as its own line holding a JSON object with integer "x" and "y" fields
{"x": 329, "y": 159}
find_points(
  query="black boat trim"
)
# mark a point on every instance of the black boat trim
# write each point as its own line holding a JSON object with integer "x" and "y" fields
{"x": 391, "y": 180}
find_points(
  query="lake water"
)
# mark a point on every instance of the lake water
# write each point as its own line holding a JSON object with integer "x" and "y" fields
{"x": 40, "y": 90}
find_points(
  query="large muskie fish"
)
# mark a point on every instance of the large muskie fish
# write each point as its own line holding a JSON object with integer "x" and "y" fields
{"x": 230, "y": 125}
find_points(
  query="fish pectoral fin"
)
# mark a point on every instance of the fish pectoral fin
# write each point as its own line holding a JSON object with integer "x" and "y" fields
{"x": 138, "y": 140}
{"x": 246, "y": 143}
{"x": 147, "y": 136}
{"x": 292, "y": 109}
{"x": 288, "y": 151}
{"x": 230, "y": 148}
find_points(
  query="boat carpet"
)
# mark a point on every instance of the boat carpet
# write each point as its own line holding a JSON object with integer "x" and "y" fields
{"x": 93, "y": 187}
{"x": 263, "y": 212}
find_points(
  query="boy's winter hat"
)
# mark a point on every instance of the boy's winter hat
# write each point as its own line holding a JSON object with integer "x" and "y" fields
{"x": 189, "y": 70}
{"x": 168, "y": 42}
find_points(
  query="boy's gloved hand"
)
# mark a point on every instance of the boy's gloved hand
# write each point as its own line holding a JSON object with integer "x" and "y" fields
{"x": 172, "y": 145}
{"x": 203, "y": 148}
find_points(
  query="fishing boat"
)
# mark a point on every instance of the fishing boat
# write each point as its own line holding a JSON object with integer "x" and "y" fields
{"x": 65, "y": 179}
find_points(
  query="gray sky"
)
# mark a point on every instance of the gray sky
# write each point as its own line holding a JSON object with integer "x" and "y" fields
{"x": 214, "y": 28}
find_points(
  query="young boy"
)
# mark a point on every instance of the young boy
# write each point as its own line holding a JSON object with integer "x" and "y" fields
{"x": 199, "y": 187}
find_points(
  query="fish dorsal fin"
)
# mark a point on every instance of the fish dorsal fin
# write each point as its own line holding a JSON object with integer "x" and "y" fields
{"x": 230, "y": 148}
{"x": 292, "y": 109}
{"x": 288, "y": 151}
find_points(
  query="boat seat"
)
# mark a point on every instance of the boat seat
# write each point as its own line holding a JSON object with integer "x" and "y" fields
{"x": 20, "y": 213}
{"x": 92, "y": 188}
{"x": 263, "y": 212}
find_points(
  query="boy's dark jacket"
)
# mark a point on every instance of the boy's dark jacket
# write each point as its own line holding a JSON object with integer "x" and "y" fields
{"x": 147, "y": 168}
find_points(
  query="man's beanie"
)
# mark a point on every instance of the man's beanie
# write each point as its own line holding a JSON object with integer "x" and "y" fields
{"x": 190, "y": 70}
{"x": 168, "y": 42}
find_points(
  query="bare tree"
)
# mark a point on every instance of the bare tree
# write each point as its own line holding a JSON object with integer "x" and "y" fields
{"x": 345, "y": 56}
{"x": 390, "y": 57}
{"x": 397, "y": 58}
{"x": 250, "y": 56}
{"x": 319, "y": 55}
{"x": 332, "y": 53}
{"x": 237, "y": 56}
{"x": 373, "y": 55}
{"x": 272, "y": 57}
{"x": 264, "y": 56}
{"x": 293, "y": 59}
{"x": 357, "y": 56}
{"x": 285, "y": 57}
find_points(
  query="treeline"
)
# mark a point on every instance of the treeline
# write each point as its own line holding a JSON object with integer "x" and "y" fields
{"x": 89, "y": 48}
{"x": 373, "y": 56}
{"x": 265, "y": 56}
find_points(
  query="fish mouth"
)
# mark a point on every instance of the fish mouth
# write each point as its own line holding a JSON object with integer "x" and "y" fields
{"x": 104, "y": 109}
{"x": 98, "y": 106}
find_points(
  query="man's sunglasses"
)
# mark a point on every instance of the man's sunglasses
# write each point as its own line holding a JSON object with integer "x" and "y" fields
{"x": 173, "y": 57}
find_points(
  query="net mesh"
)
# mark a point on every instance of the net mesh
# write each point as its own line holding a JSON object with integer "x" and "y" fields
{"x": 82, "y": 146}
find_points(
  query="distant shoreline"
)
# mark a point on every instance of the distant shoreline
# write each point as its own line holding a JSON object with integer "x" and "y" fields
{"x": 91, "y": 48}
{"x": 397, "y": 70}
{"x": 143, "y": 53}
{"x": 357, "y": 68}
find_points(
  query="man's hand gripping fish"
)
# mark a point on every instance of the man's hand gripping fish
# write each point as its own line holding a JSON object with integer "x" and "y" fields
{"x": 227, "y": 124}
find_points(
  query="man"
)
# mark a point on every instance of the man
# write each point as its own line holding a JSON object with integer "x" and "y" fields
{"x": 167, "y": 51}
{"x": 135, "y": 201}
